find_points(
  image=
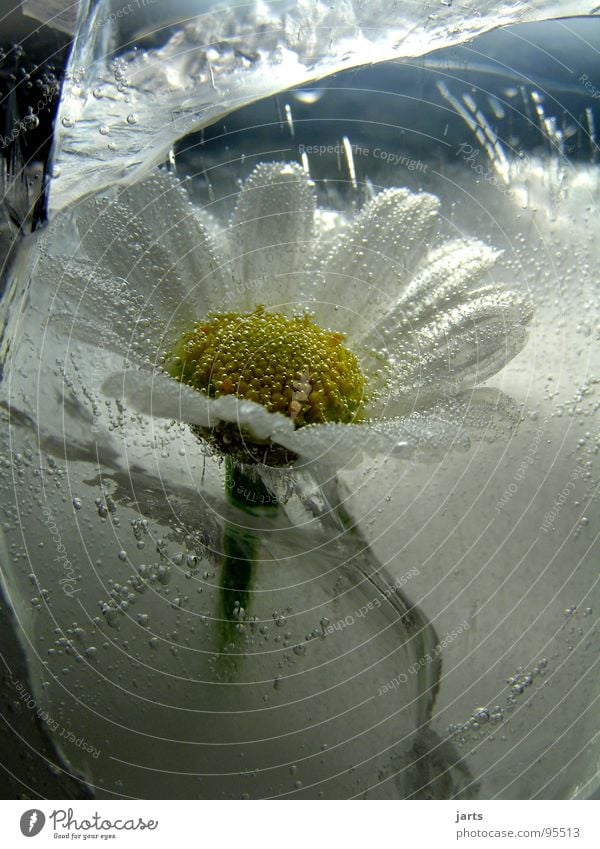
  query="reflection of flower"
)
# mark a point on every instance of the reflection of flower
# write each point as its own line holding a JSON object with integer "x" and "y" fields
{"x": 418, "y": 328}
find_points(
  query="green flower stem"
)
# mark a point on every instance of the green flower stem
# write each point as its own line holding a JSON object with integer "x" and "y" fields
{"x": 241, "y": 546}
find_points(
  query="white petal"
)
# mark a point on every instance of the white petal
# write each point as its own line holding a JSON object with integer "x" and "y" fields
{"x": 102, "y": 310}
{"x": 372, "y": 263}
{"x": 156, "y": 394}
{"x": 249, "y": 416}
{"x": 330, "y": 227}
{"x": 422, "y": 436}
{"x": 483, "y": 413}
{"x": 333, "y": 444}
{"x": 458, "y": 349}
{"x": 449, "y": 274}
{"x": 187, "y": 235}
{"x": 271, "y": 234}
{"x": 149, "y": 235}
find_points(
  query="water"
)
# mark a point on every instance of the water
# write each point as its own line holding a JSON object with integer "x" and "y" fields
{"x": 115, "y": 523}
{"x": 146, "y": 62}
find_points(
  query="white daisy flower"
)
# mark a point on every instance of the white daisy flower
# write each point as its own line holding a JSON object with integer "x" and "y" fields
{"x": 294, "y": 334}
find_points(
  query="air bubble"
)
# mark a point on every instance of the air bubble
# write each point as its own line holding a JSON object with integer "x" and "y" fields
{"x": 481, "y": 715}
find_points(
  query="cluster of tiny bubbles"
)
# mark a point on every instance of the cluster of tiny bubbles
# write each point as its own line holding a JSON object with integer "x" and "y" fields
{"x": 239, "y": 615}
{"x": 139, "y": 528}
{"x": 260, "y": 631}
{"x": 484, "y": 720}
{"x": 73, "y": 642}
{"x": 118, "y": 68}
{"x": 125, "y": 594}
{"x": 42, "y": 594}
{"x": 576, "y": 623}
{"x": 288, "y": 365}
{"x": 105, "y": 505}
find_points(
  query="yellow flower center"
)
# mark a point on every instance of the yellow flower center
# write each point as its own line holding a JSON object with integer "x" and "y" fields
{"x": 289, "y": 365}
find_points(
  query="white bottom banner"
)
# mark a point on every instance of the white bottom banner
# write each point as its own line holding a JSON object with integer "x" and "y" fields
{"x": 221, "y": 823}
